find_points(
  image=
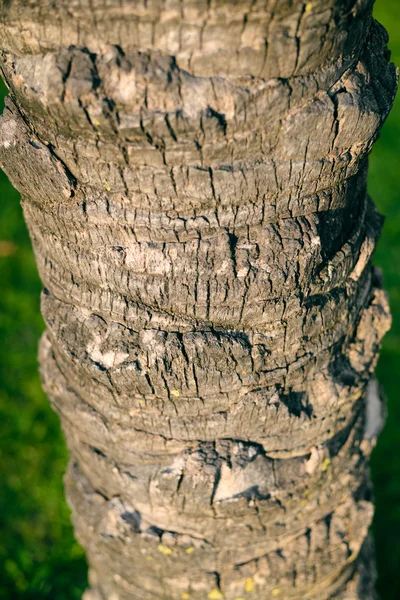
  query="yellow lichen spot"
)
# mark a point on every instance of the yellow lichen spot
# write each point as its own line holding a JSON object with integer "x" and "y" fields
{"x": 239, "y": 598}
{"x": 149, "y": 558}
{"x": 175, "y": 393}
{"x": 189, "y": 550}
{"x": 166, "y": 550}
{"x": 215, "y": 594}
{"x": 107, "y": 185}
{"x": 308, "y": 7}
{"x": 352, "y": 557}
{"x": 303, "y": 502}
{"x": 276, "y": 592}
{"x": 249, "y": 586}
{"x": 326, "y": 464}
{"x": 185, "y": 596}
{"x": 141, "y": 402}
{"x": 96, "y": 122}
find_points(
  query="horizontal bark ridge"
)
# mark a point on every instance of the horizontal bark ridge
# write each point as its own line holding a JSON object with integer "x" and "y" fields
{"x": 193, "y": 177}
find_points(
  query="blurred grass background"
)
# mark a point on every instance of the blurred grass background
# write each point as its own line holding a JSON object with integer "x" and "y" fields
{"x": 39, "y": 558}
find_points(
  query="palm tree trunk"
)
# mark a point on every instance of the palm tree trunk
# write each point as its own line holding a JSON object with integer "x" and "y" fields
{"x": 193, "y": 176}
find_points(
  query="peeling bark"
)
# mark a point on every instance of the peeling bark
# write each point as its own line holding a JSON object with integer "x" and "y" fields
{"x": 193, "y": 176}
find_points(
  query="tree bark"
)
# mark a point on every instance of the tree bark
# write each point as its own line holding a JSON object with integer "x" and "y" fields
{"x": 193, "y": 176}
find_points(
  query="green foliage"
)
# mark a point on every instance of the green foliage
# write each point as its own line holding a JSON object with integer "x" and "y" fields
{"x": 39, "y": 558}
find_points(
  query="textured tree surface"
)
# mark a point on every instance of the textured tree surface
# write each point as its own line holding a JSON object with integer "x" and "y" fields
{"x": 193, "y": 176}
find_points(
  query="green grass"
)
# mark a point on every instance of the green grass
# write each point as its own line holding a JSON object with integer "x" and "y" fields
{"x": 384, "y": 186}
{"x": 39, "y": 558}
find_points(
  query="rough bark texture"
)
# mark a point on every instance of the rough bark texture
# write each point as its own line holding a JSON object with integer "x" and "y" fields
{"x": 193, "y": 176}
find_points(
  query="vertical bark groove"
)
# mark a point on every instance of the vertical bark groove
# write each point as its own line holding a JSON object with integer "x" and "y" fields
{"x": 193, "y": 176}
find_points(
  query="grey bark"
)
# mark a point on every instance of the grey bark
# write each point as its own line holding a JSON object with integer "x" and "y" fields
{"x": 193, "y": 176}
